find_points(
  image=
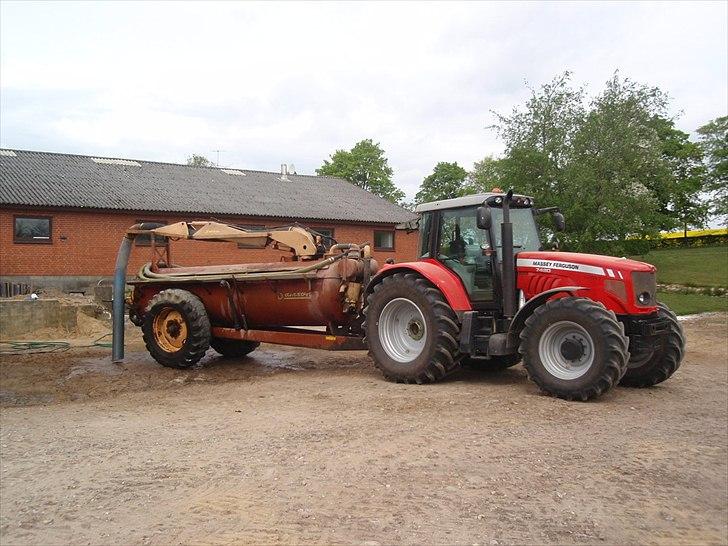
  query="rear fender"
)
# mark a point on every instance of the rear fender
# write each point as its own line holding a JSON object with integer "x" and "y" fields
{"x": 527, "y": 310}
{"x": 445, "y": 280}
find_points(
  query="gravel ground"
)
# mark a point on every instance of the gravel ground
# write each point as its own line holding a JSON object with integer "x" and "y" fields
{"x": 303, "y": 446}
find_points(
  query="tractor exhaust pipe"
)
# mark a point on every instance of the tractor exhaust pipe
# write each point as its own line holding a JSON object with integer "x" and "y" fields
{"x": 508, "y": 268}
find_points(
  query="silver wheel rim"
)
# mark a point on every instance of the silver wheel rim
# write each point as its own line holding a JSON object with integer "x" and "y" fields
{"x": 402, "y": 330}
{"x": 566, "y": 350}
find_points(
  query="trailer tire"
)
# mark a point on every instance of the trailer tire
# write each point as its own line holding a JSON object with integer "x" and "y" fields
{"x": 653, "y": 367}
{"x": 176, "y": 328}
{"x": 494, "y": 363}
{"x": 233, "y": 348}
{"x": 574, "y": 348}
{"x": 406, "y": 315}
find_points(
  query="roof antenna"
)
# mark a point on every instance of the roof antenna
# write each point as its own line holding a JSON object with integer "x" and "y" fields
{"x": 217, "y": 163}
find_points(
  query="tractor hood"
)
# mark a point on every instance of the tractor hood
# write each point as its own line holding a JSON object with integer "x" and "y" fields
{"x": 575, "y": 261}
{"x": 614, "y": 282}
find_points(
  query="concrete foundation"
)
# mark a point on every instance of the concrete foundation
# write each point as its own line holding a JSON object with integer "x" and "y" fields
{"x": 83, "y": 284}
{"x": 22, "y": 316}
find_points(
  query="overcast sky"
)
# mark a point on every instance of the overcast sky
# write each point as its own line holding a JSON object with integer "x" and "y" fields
{"x": 292, "y": 82}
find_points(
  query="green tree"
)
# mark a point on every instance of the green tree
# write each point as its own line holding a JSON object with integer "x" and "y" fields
{"x": 486, "y": 175}
{"x": 617, "y": 169}
{"x": 538, "y": 138}
{"x": 197, "y": 160}
{"x": 600, "y": 162}
{"x": 714, "y": 142}
{"x": 680, "y": 198}
{"x": 448, "y": 180}
{"x": 366, "y": 166}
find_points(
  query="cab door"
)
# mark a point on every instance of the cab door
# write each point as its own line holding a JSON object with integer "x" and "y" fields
{"x": 467, "y": 251}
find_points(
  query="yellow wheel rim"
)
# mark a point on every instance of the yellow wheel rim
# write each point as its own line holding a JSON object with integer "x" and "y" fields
{"x": 170, "y": 330}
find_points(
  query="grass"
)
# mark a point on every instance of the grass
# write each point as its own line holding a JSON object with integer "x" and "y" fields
{"x": 705, "y": 266}
{"x": 689, "y": 304}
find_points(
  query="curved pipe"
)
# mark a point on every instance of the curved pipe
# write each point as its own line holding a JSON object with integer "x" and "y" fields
{"x": 147, "y": 275}
{"x": 117, "y": 314}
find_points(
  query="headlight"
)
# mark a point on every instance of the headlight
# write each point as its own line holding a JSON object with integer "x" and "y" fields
{"x": 644, "y": 298}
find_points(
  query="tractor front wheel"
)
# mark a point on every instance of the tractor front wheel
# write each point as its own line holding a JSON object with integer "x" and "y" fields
{"x": 574, "y": 348}
{"x": 411, "y": 330}
{"x": 176, "y": 329}
{"x": 650, "y": 367}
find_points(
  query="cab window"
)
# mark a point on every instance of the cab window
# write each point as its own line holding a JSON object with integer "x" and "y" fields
{"x": 464, "y": 248}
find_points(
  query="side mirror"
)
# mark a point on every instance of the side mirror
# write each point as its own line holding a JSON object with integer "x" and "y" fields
{"x": 559, "y": 221}
{"x": 483, "y": 217}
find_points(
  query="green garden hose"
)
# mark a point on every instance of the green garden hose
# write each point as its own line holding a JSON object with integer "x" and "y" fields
{"x": 37, "y": 347}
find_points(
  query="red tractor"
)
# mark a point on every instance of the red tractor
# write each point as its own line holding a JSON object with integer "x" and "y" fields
{"x": 482, "y": 293}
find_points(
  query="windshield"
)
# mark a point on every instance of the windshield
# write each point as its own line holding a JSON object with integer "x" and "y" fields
{"x": 525, "y": 232}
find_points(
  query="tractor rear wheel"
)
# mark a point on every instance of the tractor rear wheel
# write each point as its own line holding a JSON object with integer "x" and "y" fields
{"x": 650, "y": 367}
{"x": 233, "y": 348}
{"x": 574, "y": 348}
{"x": 176, "y": 329}
{"x": 494, "y": 363}
{"x": 411, "y": 330}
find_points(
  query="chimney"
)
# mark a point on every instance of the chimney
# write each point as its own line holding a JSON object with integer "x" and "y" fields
{"x": 284, "y": 173}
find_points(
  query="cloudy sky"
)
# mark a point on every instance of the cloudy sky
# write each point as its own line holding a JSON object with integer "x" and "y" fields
{"x": 291, "y": 82}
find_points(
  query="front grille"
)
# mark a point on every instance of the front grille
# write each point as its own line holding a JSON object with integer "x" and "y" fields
{"x": 644, "y": 282}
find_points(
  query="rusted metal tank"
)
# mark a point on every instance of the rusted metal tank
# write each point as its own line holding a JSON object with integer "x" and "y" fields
{"x": 233, "y": 308}
{"x": 322, "y": 293}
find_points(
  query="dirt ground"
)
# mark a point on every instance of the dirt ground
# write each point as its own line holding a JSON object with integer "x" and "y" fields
{"x": 302, "y": 446}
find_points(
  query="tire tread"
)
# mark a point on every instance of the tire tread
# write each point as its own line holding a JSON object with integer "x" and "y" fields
{"x": 443, "y": 361}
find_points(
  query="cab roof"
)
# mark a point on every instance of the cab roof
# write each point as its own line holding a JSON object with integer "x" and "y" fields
{"x": 465, "y": 201}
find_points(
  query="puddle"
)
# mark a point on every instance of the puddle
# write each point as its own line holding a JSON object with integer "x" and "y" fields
{"x": 277, "y": 360}
{"x": 102, "y": 365}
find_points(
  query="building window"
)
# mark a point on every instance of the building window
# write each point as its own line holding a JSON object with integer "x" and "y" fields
{"x": 327, "y": 234}
{"x": 383, "y": 240}
{"x": 33, "y": 229}
{"x": 146, "y": 240}
{"x": 325, "y": 231}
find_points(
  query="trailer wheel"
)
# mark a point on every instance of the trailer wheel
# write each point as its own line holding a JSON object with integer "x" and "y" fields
{"x": 233, "y": 348}
{"x": 648, "y": 368}
{"x": 176, "y": 328}
{"x": 494, "y": 363}
{"x": 574, "y": 348}
{"x": 411, "y": 330}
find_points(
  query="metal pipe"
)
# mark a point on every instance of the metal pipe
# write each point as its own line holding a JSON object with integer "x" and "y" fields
{"x": 117, "y": 315}
{"x": 147, "y": 275}
{"x": 508, "y": 271}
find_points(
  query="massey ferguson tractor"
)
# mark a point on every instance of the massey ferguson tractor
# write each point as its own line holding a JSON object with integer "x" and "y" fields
{"x": 482, "y": 293}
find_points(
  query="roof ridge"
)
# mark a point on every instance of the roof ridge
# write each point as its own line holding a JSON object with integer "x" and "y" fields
{"x": 167, "y": 163}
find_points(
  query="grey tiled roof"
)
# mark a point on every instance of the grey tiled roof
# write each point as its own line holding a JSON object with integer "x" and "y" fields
{"x": 60, "y": 180}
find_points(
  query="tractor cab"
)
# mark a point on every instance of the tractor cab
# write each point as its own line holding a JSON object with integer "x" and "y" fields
{"x": 464, "y": 234}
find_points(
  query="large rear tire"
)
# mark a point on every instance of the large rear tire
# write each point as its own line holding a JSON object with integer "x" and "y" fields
{"x": 651, "y": 367}
{"x": 176, "y": 328}
{"x": 233, "y": 348}
{"x": 574, "y": 348}
{"x": 411, "y": 330}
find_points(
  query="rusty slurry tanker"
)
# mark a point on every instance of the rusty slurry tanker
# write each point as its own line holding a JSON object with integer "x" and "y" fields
{"x": 482, "y": 293}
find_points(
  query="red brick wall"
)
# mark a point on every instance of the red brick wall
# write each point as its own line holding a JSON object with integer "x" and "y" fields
{"x": 86, "y": 242}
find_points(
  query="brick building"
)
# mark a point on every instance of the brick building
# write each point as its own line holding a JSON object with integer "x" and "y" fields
{"x": 62, "y": 217}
